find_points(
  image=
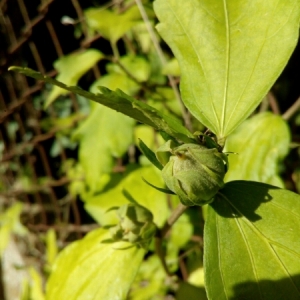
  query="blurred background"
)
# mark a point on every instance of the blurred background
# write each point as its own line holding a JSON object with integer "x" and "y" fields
{"x": 37, "y": 151}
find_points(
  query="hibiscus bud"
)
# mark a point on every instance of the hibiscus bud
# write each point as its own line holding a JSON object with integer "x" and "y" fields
{"x": 193, "y": 172}
{"x": 136, "y": 225}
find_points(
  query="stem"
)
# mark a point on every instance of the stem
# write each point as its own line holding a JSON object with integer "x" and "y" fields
{"x": 161, "y": 56}
{"x": 292, "y": 110}
{"x": 273, "y": 103}
{"x": 160, "y": 253}
{"x": 179, "y": 210}
{"x": 115, "y": 50}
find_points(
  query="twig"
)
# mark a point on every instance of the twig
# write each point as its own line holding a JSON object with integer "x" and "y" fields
{"x": 292, "y": 110}
{"x": 66, "y": 227}
{"x": 161, "y": 56}
{"x": 273, "y": 103}
{"x": 179, "y": 210}
{"x": 115, "y": 50}
{"x": 264, "y": 105}
{"x": 160, "y": 253}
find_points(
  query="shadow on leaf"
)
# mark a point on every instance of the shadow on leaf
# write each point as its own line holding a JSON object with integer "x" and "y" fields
{"x": 241, "y": 199}
{"x": 283, "y": 289}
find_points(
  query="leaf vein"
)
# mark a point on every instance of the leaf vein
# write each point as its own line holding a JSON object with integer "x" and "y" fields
{"x": 250, "y": 76}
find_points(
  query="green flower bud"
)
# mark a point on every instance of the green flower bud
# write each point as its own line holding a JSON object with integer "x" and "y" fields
{"x": 136, "y": 225}
{"x": 194, "y": 172}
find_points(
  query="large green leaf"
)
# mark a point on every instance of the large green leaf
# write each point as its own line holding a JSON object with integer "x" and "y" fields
{"x": 258, "y": 150}
{"x": 230, "y": 53}
{"x": 103, "y": 135}
{"x": 125, "y": 104}
{"x": 70, "y": 68}
{"x": 252, "y": 244}
{"x": 88, "y": 269}
{"x": 99, "y": 204}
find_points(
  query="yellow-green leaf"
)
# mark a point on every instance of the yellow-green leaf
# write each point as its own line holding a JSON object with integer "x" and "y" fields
{"x": 144, "y": 194}
{"x": 110, "y": 24}
{"x": 260, "y": 143}
{"x": 252, "y": 245}
{"x": 70, "y": 68}
{"x": 88, "y": 269}
{"x": 230, "y": 53}
{"x": 105, "y": 134}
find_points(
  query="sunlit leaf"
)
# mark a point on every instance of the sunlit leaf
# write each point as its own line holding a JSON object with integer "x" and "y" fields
{"x": 155, "y": 201}
{"x": 136, "y": 66}
{"x": 260, "y": 143}
{"x": 171, "y": 68}
{"x": 111, "y": 25}
{"x": 105, "y": 134}
{"x": 36, "y": 285}
{"x": 181, "y": 231}
{"x": 230, "y": 53}
{"x": 141, "y": 35}
{"x": 148, "y": 135}
{"x": 115, "y": 81}
{"x": 152, "y": 273}
{"x": 196, "y": 277}
{"x": 121, "y": 102}
{"x": 88, "y": 269}
{"x": 70, "y": 68}
{"x": 252, "y": 245}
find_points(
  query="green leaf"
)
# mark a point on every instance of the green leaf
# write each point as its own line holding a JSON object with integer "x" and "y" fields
{"x": 89, "y": 269}
{"x": 162, "y": 190}
{"x": 137, "y": 66}
{"x": 252, "y": 245}
{"x": 171, "y": 68}
{"x": 258, "y": 150}
{"x": 111, "y": 25}
{"x": 181, "y": 232}
{"x": 229, "y": 53}
{"x": 105, "y": 134}
{"x": 115, "y": 81}
{"x": 152, "y": 273}
{"x": 125, "y": 104}
{"x": 97, "y": 205}
{"x": 196, "y": 277}
{"x": 36, "y": 285}
{"x": 188, "y": 291}
{"x": 150, "y": 155}
{"x": 71, "y": 68}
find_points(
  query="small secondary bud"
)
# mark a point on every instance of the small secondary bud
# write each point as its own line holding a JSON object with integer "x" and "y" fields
{"x": 136, "y": 225}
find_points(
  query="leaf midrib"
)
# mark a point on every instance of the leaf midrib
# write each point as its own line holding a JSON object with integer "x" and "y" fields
{"x": 200, "y": 62}
{"x": 252, "y": 71}
{"x": 226, "y": 15}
